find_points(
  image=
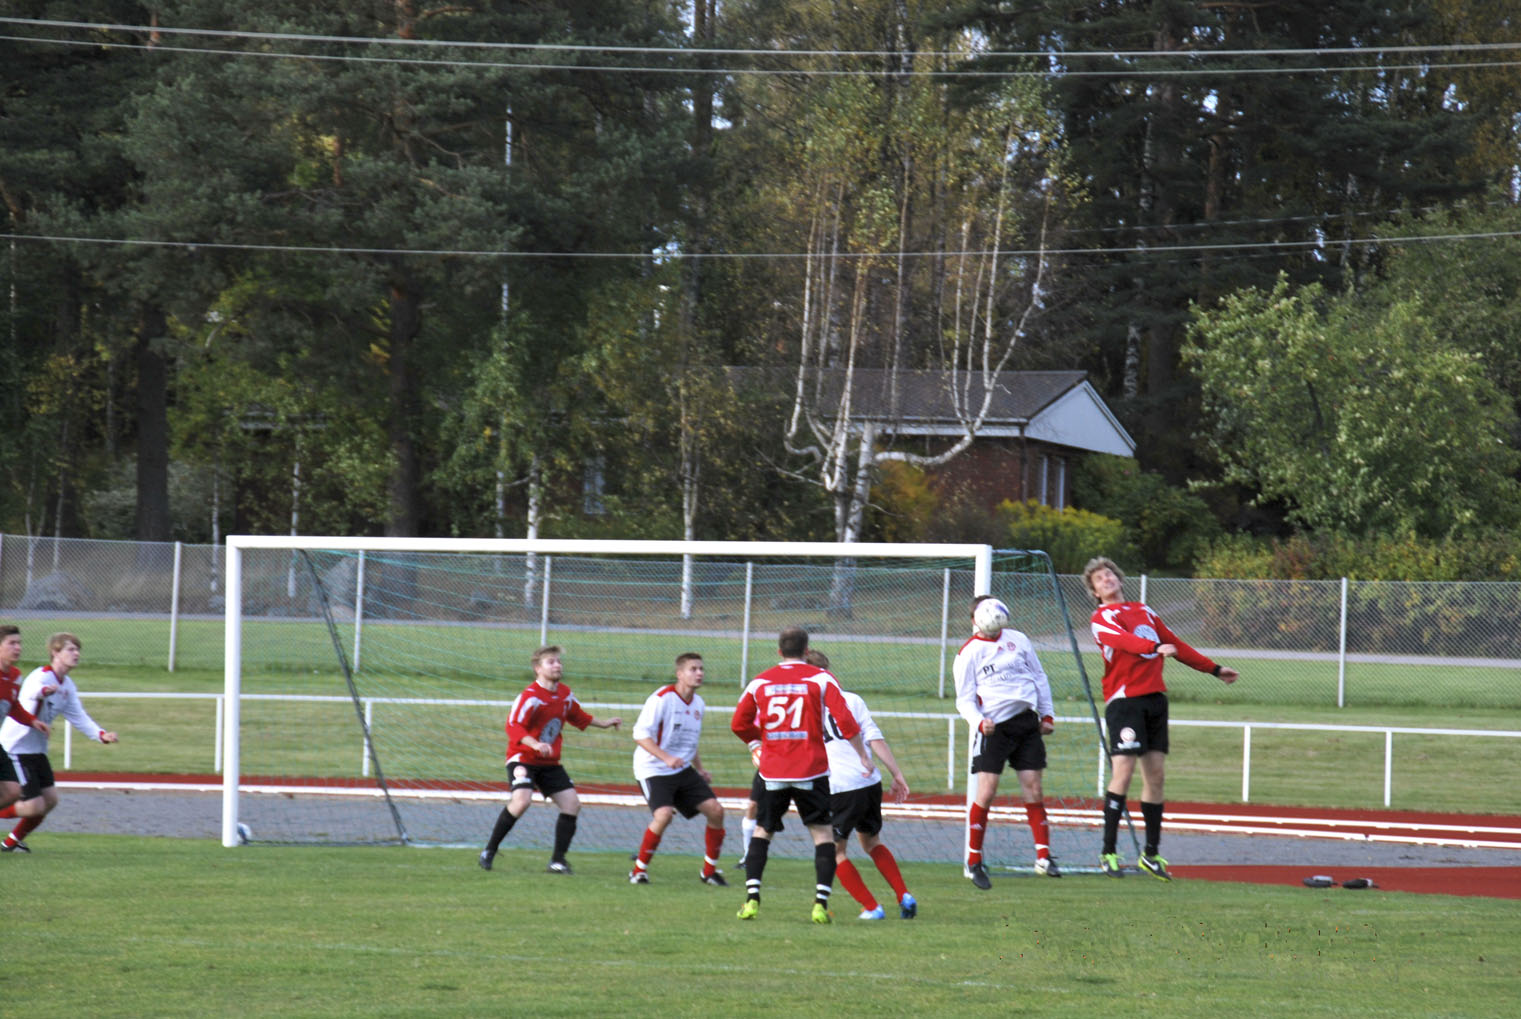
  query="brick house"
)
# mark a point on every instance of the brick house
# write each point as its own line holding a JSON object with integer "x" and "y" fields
{"x": 1038, "y": 424}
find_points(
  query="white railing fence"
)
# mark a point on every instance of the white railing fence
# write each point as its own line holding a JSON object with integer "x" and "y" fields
{"x": 954, "y": 745}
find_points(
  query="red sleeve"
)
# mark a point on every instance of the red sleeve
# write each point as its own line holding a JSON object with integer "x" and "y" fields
{"x": 1186, "y": 654}
{"x": 840, "y": 711}
{"x": 577, "y": 716}
{"x": 1124, "y": 640}
{"x": 743, "y": 723}
{"x": 21, "y": 715}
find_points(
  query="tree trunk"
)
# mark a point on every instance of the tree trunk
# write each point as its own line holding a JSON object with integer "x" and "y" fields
{"x": 153, "y": 523}
{"x": 406, "y": 322}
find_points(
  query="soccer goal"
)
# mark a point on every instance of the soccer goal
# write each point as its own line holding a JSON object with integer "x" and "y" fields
{"x": 368, "y": 679}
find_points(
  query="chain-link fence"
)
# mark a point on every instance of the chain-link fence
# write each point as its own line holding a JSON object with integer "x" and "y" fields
{"x": 1315, "y": 643}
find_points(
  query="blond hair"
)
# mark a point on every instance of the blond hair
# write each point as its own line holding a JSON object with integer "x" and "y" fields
{"x": 547, "y": 651}
{"x": 58, "y": 641}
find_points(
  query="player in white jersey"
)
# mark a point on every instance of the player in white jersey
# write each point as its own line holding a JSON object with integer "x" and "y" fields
{"x": 47, "y": 693}
{"x": 855, "y": 798}
{"x": 670, "y": 772}
{"x": 1002, "y": 691}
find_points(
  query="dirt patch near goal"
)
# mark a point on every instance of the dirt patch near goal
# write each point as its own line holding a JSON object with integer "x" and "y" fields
{"x": 1491, "y": 882}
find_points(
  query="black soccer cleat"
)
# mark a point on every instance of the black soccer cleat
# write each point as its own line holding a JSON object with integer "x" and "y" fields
{"x": 559, "y": 867}
{"x": 979, "y": 875}
{"x": 19, "y": 847}
{"x": 716, "y": 878}
{"x": 484, "y": 860}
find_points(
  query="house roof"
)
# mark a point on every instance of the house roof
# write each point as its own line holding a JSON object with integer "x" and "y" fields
{"x": 1059, "y": 407}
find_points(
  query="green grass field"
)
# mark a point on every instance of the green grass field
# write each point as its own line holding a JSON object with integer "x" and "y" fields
{"x": 167, "y": 927}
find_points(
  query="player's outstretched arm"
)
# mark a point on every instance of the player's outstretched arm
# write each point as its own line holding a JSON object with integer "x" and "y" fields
{"x": 607, "y": 723}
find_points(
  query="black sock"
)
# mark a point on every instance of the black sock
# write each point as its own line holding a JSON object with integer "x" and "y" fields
{"x": 504, "y": 823}
{"x": 1152, "y": 813}
{"x": 565, "y": 830}
{"x": 755, "y": 865}
{"x": 823, "y": 871}
{"x": 1114, "y": 806}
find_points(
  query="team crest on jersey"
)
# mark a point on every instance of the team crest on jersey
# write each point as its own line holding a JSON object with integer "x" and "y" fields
{"x": 1150, "y": 633}
{"x": 551, "y": 730}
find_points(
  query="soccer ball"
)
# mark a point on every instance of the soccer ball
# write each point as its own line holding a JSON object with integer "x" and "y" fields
{"x": 990, "y": 617}
{"x": 244, "y": 833}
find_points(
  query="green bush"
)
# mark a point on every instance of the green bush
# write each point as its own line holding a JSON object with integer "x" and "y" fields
{"x": 1169, "y": 527}
{"x": 1495, "y": 555}
{"x": 1405, "y": 593}
{"x": 1070, "y": 536}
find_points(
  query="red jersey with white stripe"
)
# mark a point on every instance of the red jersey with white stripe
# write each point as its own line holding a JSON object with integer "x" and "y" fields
{"x": 541, "y": 713}
{"x": 10, "y": 696}
{"x": 785, "y": 708}
{"x": 674, "y": 724}
{"x": 1128, "y": 634}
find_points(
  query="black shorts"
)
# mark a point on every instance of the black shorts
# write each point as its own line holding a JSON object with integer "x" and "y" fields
{"x": 684, "y": 790}
{"x": 546, "y": 778}
{"x": 857, "y": 810}
{"x": 1137, "y": 725}
{"x": 8, "y": 770}
{"x": 758, "y": 793}
{"x": 1015, "y": 741}
{"x": 812, "y": 804}
{"x": 34, "y": 772}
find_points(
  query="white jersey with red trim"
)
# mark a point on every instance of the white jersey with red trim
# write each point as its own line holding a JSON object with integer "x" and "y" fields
{"x": 674, "y": 724}
{"x": 845, "y": 771}
{"x": 785, "y": 708}
{"x": 1128, "y": 633}
{"x": 64, "y": 700}
{"x": 997, "y": 678}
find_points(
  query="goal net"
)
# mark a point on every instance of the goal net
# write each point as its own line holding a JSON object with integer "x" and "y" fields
{"x": 368, "y": 680}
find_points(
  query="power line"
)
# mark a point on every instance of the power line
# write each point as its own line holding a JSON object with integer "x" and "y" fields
{"x": 663, "y": 255}
{"x": 1422, "y": 66}
{"x": 1200, "y": 72}
{"x": 708, "y": 51}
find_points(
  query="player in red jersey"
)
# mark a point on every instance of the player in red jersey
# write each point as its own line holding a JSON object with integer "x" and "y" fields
{"x": 1003, "y": 693}
{"x": 782, "y": 712}
{"x": 1135, "y": 642}
{"x": 670, "y": 772}
{"x": 10, "y": 707}
{"x": 534, "y": 727}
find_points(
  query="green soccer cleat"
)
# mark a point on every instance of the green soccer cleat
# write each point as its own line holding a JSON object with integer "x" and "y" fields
{"x": 821, "y": 914}
{"x": 750, "y": 910}
{"x": 1110, "y": 862}
{"x": 1154, "y": 865}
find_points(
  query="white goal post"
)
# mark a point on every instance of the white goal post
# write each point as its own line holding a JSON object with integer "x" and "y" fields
{"x": 535, "y": 559}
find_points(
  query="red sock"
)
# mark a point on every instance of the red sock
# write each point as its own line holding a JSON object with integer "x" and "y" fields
{"x": 977, "y": 830}
{"x": 1040, "y": 828}
{"x": 851, "y": 879}
{"x": 9, "y": 811}
{"x": 646, "y": 850}
{"x": 888, "y": 865}
{"x": 713, "y": 844}
{"x": 23, "y": 828}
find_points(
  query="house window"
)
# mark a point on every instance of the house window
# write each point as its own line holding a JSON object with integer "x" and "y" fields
{"x": 593, "y": 485}
{"x": 1045, "y": 478}
{"x": 1061, "y": 482}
